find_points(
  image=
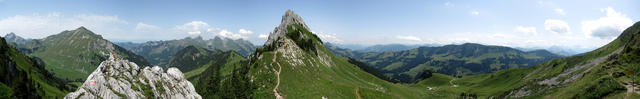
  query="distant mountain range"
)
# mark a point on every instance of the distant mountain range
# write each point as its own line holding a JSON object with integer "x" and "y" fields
{"x": 159, "y": 52}
{"x": 455, "y": 60}
{"x": 382, "y": 47}
{"x": 553, "y": 49}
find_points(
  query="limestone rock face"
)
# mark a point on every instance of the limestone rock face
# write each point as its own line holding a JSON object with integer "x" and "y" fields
{"x": 117, "y": 78}
{"x": 289, "y": 18}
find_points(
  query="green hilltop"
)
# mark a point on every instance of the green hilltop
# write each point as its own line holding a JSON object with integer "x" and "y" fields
{"x": 74, "y": 54}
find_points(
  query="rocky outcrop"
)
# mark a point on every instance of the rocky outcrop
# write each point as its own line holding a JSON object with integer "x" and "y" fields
{"x": 118, "y": 78}
{"x": 289, "y": 18}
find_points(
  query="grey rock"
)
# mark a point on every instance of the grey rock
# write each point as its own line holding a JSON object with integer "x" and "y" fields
{"x": 289, "y": 18}
{"x": 118, "y": 78}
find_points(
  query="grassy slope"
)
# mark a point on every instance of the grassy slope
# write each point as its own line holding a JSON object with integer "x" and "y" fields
{"x": 604, "y": 80}
{"x": 315, "y": 79}
{"x": 45, "y": 84}
{"x": 75, "y": 54}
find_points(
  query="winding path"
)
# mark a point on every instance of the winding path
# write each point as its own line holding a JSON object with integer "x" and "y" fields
{"x": 275, "y": 89}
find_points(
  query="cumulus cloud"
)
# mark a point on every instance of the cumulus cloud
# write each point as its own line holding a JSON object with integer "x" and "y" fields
{"x": 526, "y": 30}
{"x": 607, "y": 27}
{"x": 328, "y": 37}
{"x": 194, "y": 27}
{"x": 39, "y": 26}
{"x": 263, "y": 35}
{"x": 228, "y": 34}
{"x": 556, "y": 26}
{"x": 141, "y": 27}
{"x": 410, "y": 38}
{"x": 245, "y": 31}
{"x": 203, "y": 28}
{"x": 560, "y": 11}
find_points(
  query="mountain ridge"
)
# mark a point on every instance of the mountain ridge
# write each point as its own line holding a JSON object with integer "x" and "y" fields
{"x": 160, "y": 52}
{"x": 72, "y": 54}
{"x": 456, "y": 60}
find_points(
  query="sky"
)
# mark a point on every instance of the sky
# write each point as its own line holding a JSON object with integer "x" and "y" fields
{"x": 579, "y": 25}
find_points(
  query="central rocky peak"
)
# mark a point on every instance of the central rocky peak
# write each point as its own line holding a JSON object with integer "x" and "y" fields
{"x": 289, "y": 18}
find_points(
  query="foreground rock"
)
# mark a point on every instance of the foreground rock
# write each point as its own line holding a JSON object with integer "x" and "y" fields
{"x": 117, "y": 78}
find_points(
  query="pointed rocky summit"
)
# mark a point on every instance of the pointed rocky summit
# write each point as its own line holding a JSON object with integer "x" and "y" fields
{"x": 288, "y": 19}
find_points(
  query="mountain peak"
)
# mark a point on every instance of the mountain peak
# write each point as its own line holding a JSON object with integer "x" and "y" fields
{"x": 83, "y": 33}
{"x": 81, "y": 29}
{"x": 290, "y": 18}
{"x": 11, "y": 34}
{"x": 290, "y": 21}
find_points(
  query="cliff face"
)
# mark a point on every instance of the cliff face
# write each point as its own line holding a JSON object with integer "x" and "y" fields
{"x": 118, "y": 78}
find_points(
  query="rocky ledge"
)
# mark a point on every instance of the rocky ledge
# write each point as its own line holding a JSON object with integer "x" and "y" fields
{"x": 118, "y": 78}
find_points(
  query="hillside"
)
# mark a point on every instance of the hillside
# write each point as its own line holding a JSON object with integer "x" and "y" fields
{"x": 211, "y": 71}
{"x": 74, "y": 54}
{"x": 159, "y": 52}
{"x": 192, "y": 57}
{"x": 455, "y": 60}
{"x": 607, "y": 72}
{"x": 294, "y": 63}
{"x": 22, "y": 77}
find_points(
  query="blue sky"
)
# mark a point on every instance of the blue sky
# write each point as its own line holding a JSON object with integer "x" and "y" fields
{"x": 579, "y": 25}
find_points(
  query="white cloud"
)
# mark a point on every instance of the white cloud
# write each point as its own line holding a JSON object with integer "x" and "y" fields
{"x": 560, "y": 11}
{"x": 194, "y": 27}
{"x": 228, "y": 34}
{"x": 607, "y": 27}
{"x": 475, "y": 13}
{"x": 263, "y": 35}
{"x": 556, "y": 26}
{"x": 500, "y": 35}
{"x": 526, "y": 30}
{"x": 244, "y": 31}
{"x": 448, "y": 4}
{"x": 328, "y": 37}
{"x": 39, "y": 26}
{"x": 205, "y": 30}
{"x": 410, "y": 38}
{"x": 141, "y": 27}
